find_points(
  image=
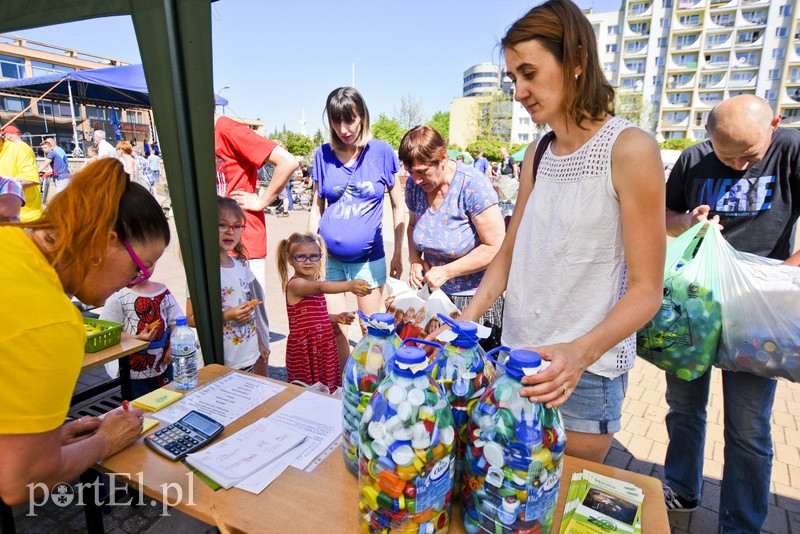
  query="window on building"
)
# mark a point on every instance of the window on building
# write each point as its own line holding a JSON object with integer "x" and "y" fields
{"x": 771, "y": 95}
{"x": 610, "y": 66}
{"x": 716, "y": 39}
{"x": 638, "y": 9}
{"x": 523, "y": 137}
{"x": 12, "y": 67}
{"x": 56, "y": 109}
{"x": 611, "y": 48}
{"x": 741, "y": 76}
{"x": 668, "y": 3}
{"x": 40, "y": 68}
{"x": 664, "y": 23}
{"x": 660, "y": 61}
{"x": 673, "y": 135}
{"x": 778, "y": 53}
{"x": 725, "y": 19}
{"x": 642, "y": 28}
{"x": 785, "y": 11}
{"x": 710, "y": 79}
{"x": 676, "y": 116}
{"x": 689, "y": 20}
{"x": 631, "y": 83}
{"x": 794, "y": 75}
{"x": 781, "y": 32}
{"x": 748, "y": 37}
{"x": 524, "y": 121}
{"x": 613, "y": 30}
{"x": 658, "y": 80}
{"x": 12, "y": 103}
{"x": 93, "y": 112}
{"x": 717, "y": 58}
{"x": 682, "y": 41}
{"x": 774, "y": 74}
{"x": 701, "y": 118}
{"x": 791, "y": 112}
{"x": 680, "y": 98}
{"x": 635, "y": 66}
{"x": 710, "y": 98}
{"x": 755, "y": 17}
{"x": 635, "y": 46}
{"x": 749, "y": 59}
{"x": 662, "y": 42}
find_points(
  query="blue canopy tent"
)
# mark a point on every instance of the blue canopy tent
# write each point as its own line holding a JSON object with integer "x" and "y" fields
{"x": 110, "y": 86}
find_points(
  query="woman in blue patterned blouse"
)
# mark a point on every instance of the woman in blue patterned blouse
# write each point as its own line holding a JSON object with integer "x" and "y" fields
{"x": 454, "y": 224}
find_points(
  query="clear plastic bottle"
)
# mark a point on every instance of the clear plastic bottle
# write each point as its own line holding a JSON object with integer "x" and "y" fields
{"x": 406, "y": 452}
{"x": 512, "y": 467}
{"x": 464, "y": 373}
{"x": 184, "y": 354}
{"x": 362, "y": 373}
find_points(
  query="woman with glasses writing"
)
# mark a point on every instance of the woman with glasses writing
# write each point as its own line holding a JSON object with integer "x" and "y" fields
{"x": 245, "y": 336}
{"x": 100, "y": 234}
{"x": 311, "y": 349}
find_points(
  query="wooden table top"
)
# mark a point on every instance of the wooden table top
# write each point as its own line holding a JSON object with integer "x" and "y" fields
{"x": 127, "y": 345}
{"x": 325, "y": 499}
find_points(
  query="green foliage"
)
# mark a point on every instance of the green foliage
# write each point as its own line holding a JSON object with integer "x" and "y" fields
{"x": 441, "y": 123}
{"x": 491, "y": 148}
{"x": 387, "y": 129}
{"x": 677, "y": 144}
{"x": 633, "y": 107}
{"x": 297, "y": 144}
{"x": 493, "y": 118}
{"x": 319, "y": 140}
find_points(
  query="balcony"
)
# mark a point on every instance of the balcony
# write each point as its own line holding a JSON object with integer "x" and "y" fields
{"x": 718, "y": 20}
{"x": 745, "y": 40}
{"x": 793, "y": 95}
{"x": 712, "y": 83}
{"x": 636, "y": 12}
{"x": 752, "y": 18}
{"x": 682, "y": 123}
{"x": 750, "y": 3}
{"x": 719, "y": 45}
{"x": 633, "y": 51}
{"x": 687, "y": 24}
{"x": 681, "y": 82}
{"x": 739, "y": 83}
{"x": 723, "y": 5}
{"x": 690, "y": 5}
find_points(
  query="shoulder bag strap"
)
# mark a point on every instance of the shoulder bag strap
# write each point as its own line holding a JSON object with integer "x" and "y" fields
{"x": 540, "y": 148}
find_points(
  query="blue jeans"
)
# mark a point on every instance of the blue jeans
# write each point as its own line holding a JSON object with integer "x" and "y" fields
{"x": 748, "y": 399}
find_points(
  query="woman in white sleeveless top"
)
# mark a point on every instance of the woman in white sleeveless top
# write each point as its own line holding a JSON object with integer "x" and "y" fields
{"x": 583, "y": 258}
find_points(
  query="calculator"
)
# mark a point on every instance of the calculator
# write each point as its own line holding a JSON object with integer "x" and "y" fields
{"x": 192, "y": 432}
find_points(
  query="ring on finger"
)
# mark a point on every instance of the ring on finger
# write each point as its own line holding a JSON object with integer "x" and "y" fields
{"x": 565, "y": 388}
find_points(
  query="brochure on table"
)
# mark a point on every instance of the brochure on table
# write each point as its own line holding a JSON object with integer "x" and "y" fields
{"x": 597, "y": 504}
{"x": 225, "y": 399}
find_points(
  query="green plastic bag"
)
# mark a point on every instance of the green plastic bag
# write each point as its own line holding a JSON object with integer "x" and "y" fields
{"x": 683, "y": 337}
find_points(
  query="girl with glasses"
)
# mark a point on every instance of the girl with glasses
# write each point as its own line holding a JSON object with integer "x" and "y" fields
{"x": 245, "y": 326}
{"x": 311, "y": 348}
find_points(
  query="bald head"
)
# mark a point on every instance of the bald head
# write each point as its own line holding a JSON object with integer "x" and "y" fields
{"x": 741, "y": 129}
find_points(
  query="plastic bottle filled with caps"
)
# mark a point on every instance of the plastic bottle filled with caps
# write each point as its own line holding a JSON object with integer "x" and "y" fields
{"x": 363, "y": 371}
{"x": 513, "y": 461}
{"x": 464, "y": 373}
{"x": 407, "y": 443}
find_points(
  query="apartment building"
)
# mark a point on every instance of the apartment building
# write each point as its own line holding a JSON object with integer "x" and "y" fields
{"x": 686, "y": 56}
{"x": 22, "y": 58}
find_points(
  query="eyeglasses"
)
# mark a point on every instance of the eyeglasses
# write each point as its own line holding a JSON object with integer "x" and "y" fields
{"x": 142, "y": 274}
{"x": 302, "y": 258}
{"x": 232, "y": 227}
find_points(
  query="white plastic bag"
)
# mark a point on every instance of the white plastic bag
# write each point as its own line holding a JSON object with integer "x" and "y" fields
{"x": 418, "y": 307}
{"x": 760, "y": 300}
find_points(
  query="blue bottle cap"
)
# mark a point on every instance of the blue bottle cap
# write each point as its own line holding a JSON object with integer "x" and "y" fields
{"x": 382, "y": 319}
{"x": 521, "y": 360}
{"x": 467, "y": 334}
{"x": 409, "y": 360}
{"x": 181, "y": 320}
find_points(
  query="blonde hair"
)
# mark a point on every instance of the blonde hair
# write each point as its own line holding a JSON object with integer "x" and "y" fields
{"x": 287, "y": 246}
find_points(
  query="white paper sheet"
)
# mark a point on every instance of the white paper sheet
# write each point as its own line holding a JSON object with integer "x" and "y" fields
{"x": 225, "y": 399}
{"x": 259, "y": 481}
{"x": 246, "y": 452}
{"x": 317, "y": 416}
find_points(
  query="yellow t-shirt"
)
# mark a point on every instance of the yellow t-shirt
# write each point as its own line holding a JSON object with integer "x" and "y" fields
{"x": 41, "y": 339}
{"x": 17, "y": 160}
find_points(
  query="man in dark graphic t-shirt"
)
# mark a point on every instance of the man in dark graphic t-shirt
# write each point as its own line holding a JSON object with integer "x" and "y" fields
{"x": 747, "y": 175}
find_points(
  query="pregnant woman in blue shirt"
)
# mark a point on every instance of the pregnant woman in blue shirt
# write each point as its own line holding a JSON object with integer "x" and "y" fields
{"x": 454, "y": 224}
{"x": 351, "y": 176}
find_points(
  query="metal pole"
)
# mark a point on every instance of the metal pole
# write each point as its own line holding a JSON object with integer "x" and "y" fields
{"x": 78, "y": 151}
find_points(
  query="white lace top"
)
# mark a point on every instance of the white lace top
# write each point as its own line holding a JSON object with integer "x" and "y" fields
{"x": 568, "y": 267}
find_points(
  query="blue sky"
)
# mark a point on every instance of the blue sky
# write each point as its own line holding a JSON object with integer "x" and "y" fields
{"x": 280, "y": 58}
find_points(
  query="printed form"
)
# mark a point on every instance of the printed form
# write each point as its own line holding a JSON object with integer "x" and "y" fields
{"x": 225, "y": 399}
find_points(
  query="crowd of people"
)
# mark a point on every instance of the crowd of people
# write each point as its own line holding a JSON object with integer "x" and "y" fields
{"x": 573, "y": 272}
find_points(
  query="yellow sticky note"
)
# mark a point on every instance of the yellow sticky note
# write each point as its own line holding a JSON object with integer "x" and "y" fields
{"x": 147, "y": 424}
{"x": 155, "y": 400}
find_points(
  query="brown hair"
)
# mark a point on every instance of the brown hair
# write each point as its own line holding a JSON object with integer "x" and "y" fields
{"x": 125, "y": 147}
{"x": 287, "y": 246}
{"x": 228, "y": 205}
{"x": 345, "y": 104}
{"x": 561, "y": 28}
{"x": 99, "y": 199}
{"x": 422, "y": 144}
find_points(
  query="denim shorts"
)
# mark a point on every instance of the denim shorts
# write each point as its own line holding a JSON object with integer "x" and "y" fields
{"x": 595, "y": 407}
{"x": 372, "y": 272}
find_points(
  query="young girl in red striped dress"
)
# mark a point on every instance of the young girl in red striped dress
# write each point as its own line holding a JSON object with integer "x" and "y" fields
{"x": 311, "y": 352}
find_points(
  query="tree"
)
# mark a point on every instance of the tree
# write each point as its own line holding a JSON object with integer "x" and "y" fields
{"x": 633, "y": 107}
{"x": 410, "y": 113}
{"x": 677, "y": 144}
{"x": 388, "y": 130}
{"x": 494, "y": 118}
{"x": 319, "y": 140}
{"x": 441, "y": 123}
{"x": 297, "y": 144}
{"x": 491, "y": 148}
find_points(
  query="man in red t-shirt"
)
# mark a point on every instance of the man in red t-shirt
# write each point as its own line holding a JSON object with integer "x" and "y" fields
{"x": 240, "y": 152}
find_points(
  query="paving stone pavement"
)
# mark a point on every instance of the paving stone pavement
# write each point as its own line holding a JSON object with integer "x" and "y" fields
{"x": 639, "y": 447}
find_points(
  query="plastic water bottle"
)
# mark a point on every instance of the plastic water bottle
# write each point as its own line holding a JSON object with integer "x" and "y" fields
{"x": 184, "y": 354}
